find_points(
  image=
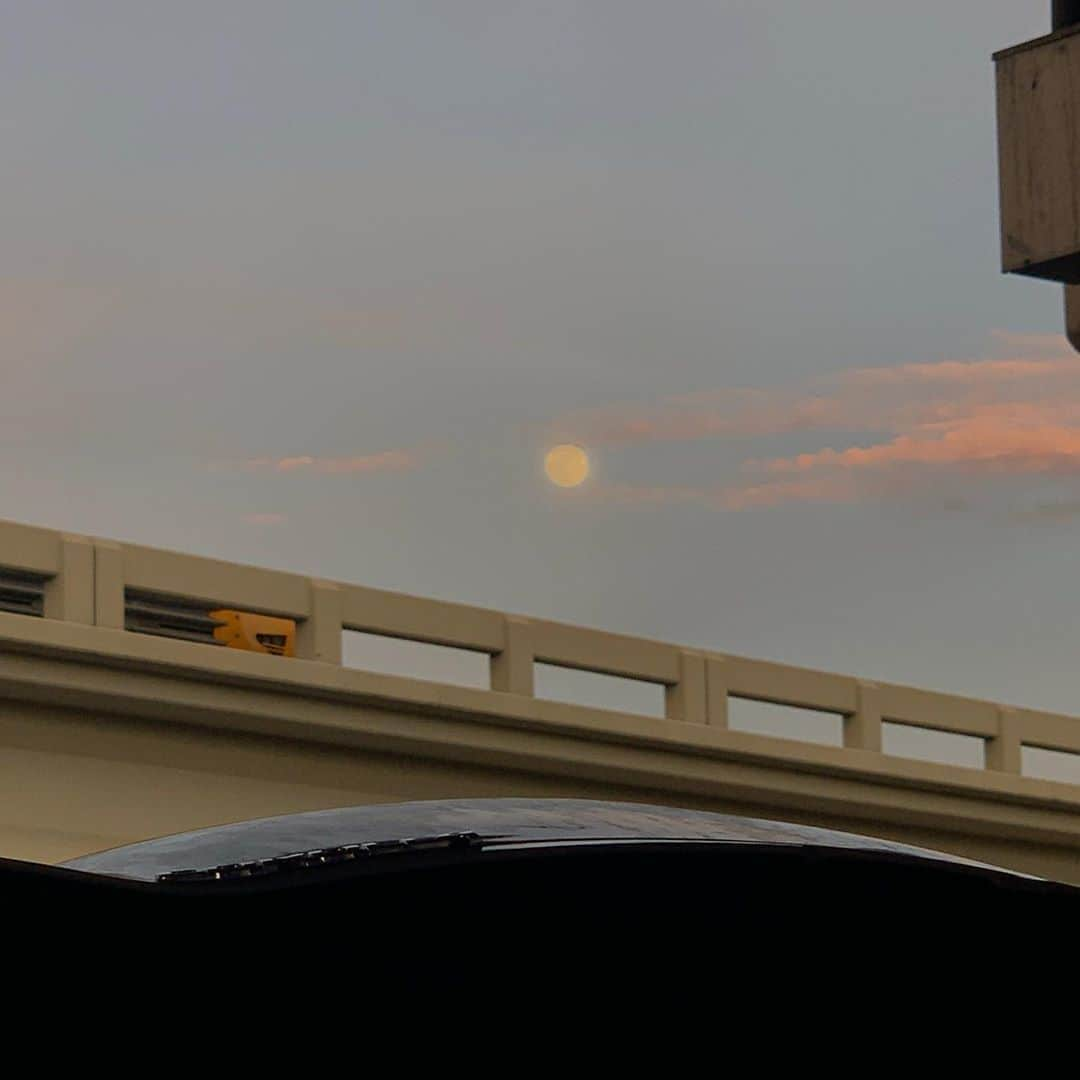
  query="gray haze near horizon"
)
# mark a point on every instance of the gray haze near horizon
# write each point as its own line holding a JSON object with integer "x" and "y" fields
{"x": 237, "y": 231}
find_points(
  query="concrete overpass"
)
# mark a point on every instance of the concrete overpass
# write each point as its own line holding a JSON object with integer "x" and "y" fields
{"x": 110, "y": 735}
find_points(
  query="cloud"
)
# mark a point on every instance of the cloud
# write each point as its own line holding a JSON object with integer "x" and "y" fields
{"x": 629, "y": 495}
{"x": 41, "y": 321}
{"x": 819, "y": 489}
{"x": 1049, "y": 512}
{"x": 736, "y": 413}
{"x": 264, "y": 519}
{"x": 991, "y": 418}
{"x": 965, "y": 371}
{"x": 967, "y": 434}
{"x": 972, "y": 446}
{"x": 383, "y": 461}
{"x": 734, "y": 497}
{"x": 865, "y": 398}
{"x": 1055, "y": 343}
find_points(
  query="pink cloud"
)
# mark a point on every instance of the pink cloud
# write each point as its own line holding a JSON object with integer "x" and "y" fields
{"x": 974, "y": 445}
{"x": 1010, "y": 416}
{"x": 387, "y": 461}
{"x": 384, "y": 461}
{"x": 818, "y": 489}
{"x": 866, "y": 398}
{"x": 1056, "y": 343}
{"x": 964, "y": 371}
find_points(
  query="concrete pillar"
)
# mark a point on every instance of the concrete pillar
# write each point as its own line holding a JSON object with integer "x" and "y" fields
{"x": 862, "y": 729}
{"x": 318, "y": 637}
{"x": 1004, "y": 752}
{"x": 108, "y": 585}
{"x": 687, "y": 700}
{"x": 512, "y": 669}
{"x": 716, "y": 693}
{"x": 70, "y": 594}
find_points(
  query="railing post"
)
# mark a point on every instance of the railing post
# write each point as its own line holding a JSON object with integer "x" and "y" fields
{"x": 716, "y": 693}
{"x": 1004, "y": 752}
{"x": 862, "y": 728}
{"x": 512, "y": 668}
{"x": 318, "y": 637}
{"x": 687, "y": 700}
{"x": 70, "y": 595}
{"x": 108, "y": 585}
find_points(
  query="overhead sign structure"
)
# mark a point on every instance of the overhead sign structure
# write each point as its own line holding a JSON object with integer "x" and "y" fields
{"x": 1038, "y": 105}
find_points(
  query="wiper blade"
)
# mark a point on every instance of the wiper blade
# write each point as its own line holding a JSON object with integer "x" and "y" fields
{"x": 322, "y": 857}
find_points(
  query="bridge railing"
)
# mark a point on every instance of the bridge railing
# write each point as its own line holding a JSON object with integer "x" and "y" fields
{"x": 86, "y": 580}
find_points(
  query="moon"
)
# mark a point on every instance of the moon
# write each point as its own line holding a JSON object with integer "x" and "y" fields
{"x": 567, "y": 466}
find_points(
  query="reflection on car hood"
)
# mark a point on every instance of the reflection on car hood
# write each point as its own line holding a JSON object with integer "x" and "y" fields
{"x": 499, "y": 822}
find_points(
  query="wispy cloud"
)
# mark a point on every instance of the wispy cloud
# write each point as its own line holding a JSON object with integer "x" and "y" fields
{"x": 973, "y": 444}
{"x": 41, "y": 320}
{"x": 1054, "y": 343}
{"x": 989, "y": 417}
{"x": 1049, "y": 512}
{"x": 731, "y": 497}
{"x": 972, "y": 372}
{"x": 264, "y": 519}
{"x": 382, "y": 461}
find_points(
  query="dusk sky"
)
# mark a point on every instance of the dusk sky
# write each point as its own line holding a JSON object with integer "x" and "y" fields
{"x": 316, "y": 285}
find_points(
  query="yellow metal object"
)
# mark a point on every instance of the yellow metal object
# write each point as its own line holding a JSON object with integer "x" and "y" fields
{"x": 255, "y": 633}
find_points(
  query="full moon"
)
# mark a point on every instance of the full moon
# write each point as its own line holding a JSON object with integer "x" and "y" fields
{"x": 567, "y": 466}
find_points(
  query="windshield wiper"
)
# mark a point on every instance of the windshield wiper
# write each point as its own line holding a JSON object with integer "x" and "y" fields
{"x": 318, "y": 858}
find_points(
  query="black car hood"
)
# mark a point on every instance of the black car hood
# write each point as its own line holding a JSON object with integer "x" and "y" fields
{"x": 488, "y": 823}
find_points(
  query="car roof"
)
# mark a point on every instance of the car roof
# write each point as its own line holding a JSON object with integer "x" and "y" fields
{"x": 541, "y": 823}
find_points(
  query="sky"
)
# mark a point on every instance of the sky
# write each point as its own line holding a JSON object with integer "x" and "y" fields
{"x": 316, "y": 286}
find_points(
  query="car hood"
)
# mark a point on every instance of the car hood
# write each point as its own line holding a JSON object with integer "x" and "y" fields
{"x": 488, "y": 823}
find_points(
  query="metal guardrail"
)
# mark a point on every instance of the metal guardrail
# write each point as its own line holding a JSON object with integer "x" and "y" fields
{"x": 22, "y": 593}
{"x": 128, "y": 587}
{"x": 145, "y": 613}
